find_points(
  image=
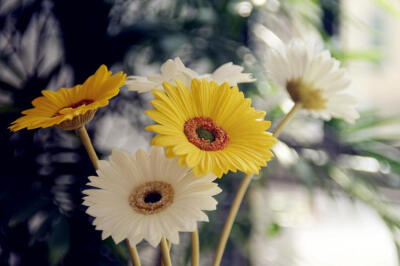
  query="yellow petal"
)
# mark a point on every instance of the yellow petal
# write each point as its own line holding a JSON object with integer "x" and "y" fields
{"x": 248, "y": 148}
{"x": 99, "y": 88}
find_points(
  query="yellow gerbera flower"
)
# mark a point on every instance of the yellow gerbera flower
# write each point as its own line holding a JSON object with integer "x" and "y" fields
{"x": 210, "y": 127}
{"x": 71, "y": 108}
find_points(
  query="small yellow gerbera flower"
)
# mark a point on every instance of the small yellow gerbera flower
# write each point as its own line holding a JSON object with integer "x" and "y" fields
{"x": 211, "y": 128}
{"x": 71, "y": 108}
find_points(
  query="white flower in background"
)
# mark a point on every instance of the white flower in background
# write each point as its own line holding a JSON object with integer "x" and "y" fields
{"x": 175, "y": 70}
{"x": 230, "y": 73}
{"x": 147, "y": 196}
{"x": 269, "y": 5}
{"x": 313, "y": 78}
{"x": 170, "y": 71}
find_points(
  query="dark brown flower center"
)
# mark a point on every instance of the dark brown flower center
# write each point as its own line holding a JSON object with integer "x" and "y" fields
{"x": 204, "y": 133}
{"x": 82, "y": 102}
{"x": 75, "y": 105}
{"x": 152, "y": 197}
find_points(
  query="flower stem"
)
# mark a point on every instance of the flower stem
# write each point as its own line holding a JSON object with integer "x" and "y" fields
{"x": 169, "y": 249}
{"x": 88, "y": 146}
{"x": 230, "y": 219}
{"x": 286, "y": 119}
{"x": 195, "y": 248}
{"x": 165, "y": 252}
{"x": 241, "y": 192}
{"x": 134, "y": 254}
{"x": 95, "y": 161}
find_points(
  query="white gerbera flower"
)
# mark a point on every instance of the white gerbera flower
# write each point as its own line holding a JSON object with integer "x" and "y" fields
{"x": 312, "y": 78}
{"x": 147, "y": 196}
{"x": 175, "y": 70}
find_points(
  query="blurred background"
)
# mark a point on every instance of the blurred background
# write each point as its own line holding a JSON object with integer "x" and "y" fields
{"x": 329, "y": 198}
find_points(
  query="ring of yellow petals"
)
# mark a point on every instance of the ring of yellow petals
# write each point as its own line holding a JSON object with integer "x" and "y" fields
{"x": 249, "y": 142}
{"x": 67, "y": 105}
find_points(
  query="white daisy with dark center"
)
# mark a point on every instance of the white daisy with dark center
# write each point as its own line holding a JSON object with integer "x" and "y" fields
{"x": 148, "y": 196}
{"x": 313, "y": 78}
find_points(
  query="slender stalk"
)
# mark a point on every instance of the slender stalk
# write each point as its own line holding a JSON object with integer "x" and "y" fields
{"x": 286, "y": 119}
{"x": 88, "y": 146}
{"x": 230, "y": 219}
{"x": 169, "y": 249}
{"x": 195, "y": 248}
{"x": 241, "y": 192}
{"x": 165, "y": 252}
{"x": 134, "y": 254}
{"x": 94, "y": 159}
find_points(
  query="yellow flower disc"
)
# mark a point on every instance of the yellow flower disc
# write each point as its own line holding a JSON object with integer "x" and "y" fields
{"x": 211, "y": 128}
{"x": 71, "y": 108}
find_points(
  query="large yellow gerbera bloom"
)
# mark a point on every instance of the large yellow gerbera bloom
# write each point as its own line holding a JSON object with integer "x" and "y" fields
{"x": 71, "y": 108}
{"x": 211, "y": 128}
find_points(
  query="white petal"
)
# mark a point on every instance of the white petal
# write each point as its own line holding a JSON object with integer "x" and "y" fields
{"x": 269, "y": 37}
{"x": 173, "y": 237}
{"x": 173, "y": 70}
{"x": 141, "y": 84}
{"x": 108, "y": 201}
{"x": 232, "y": 74}
{"x": 303, "y": 62}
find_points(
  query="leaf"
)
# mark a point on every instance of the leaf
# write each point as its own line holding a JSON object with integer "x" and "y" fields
{"x": 390, "y": 8}
{"x": 121, "y": 250}
{"x": 382, "y": 152}
{"x": 26, "y": 209}
{"x": 372, "y": 54}
{"x": 59, "y": 241}
{"x": 367, "y": 194}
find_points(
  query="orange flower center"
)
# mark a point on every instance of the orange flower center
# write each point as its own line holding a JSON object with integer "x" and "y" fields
{"x": 205, "y": 134}
{"x": 75, "y": 105}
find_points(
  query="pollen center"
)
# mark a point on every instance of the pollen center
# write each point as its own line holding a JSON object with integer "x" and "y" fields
{"x": 82, "y": 102}
{"x": 204, "y": 133}
{"x": 152, "y": 197}
{"x": 74, "y": 105}
{"x": 307, "y": 95}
